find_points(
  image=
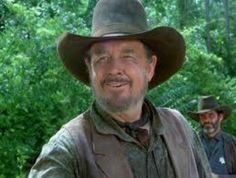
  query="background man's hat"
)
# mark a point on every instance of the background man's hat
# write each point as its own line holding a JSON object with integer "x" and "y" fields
{"x": 123, "y": 19}
{"x": 209, "y": 103}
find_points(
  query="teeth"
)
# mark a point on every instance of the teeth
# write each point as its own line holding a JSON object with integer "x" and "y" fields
{"x": 116, "y": 84}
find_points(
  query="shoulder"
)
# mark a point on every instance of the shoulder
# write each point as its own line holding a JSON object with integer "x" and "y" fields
{"x": 170, "y": 113}
{"x": 64, "y": 139}
{"x": 173, "y": 118}
{"x": 59, "y": 157}
{"x": 229, "y": 138}
{"x": 77, "y": 123}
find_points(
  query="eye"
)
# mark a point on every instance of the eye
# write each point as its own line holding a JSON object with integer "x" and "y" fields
{"x": 128, "y": 58}
{"x": 103, "y": 59}
{"x": 201, "y": 116}
{"x": 211, "y": 115}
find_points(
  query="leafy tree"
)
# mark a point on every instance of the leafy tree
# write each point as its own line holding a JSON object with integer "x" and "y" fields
{"x": 37, "y": 95}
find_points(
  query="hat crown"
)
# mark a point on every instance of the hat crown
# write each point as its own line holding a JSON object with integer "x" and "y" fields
{"x": 207, "y": 102}
{"x": 118, "y": 16}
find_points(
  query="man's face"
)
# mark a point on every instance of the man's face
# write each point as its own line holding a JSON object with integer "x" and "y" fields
{"x": 210, "y": 122}
{"x": 119, "y": 73}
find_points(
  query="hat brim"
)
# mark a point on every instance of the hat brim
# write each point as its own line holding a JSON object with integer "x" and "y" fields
{"x": 165, "y": 42}
{"x": 225, "y": 109}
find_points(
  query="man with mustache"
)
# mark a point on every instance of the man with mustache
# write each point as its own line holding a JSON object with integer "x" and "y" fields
{"x": 122, "y": 134}
{"x": 220, "y": 147}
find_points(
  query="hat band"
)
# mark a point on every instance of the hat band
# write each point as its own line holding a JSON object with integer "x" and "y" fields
{"x": 115, "y": 34}
{"x": 208, "y": 106}
{"x": 117, "y": 28}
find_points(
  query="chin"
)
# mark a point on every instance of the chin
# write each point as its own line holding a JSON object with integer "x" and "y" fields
{"x": 209, "y": 130}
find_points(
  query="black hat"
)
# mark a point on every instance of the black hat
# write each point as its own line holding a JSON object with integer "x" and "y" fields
{"x": 209, "y": 103}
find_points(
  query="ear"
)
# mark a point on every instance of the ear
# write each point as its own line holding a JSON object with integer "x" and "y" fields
{"x": 152, "y": 67}
{"x": 87, "y": 62}
{"x": 221, "y": 116}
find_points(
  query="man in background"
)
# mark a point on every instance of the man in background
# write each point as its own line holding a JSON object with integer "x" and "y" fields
{"x": 220, "y": 147}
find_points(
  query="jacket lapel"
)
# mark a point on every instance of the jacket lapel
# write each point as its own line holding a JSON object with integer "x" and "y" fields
{"x": 108, "y": 152}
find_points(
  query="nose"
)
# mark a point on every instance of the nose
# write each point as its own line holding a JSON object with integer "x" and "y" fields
{"x": 115, "y": 66}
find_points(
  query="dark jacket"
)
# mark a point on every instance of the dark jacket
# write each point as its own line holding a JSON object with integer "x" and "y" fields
{"x": 79, "y": 150}
{"x": 230, "y": 154}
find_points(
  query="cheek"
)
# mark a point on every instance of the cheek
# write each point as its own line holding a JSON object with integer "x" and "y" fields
{"x": 133, "y": 72}
{"x": 95, "y": 78}
{"x": 201, "y": 121}
{"x": 95, "y": 74}
{"x": 139, "y": 78}
{"x": 215, "y": 120}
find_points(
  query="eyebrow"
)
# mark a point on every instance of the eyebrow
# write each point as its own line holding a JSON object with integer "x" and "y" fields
{"x": 128, "y": 51}
{"x": 99, "y": 51}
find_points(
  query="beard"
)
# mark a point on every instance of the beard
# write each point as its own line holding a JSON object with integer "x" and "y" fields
{"x": 117, "y": 103}
{"x": 210, "y": 128}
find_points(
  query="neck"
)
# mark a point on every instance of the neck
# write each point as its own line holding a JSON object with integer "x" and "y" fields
{"x": 213, "y": 135}
{"x": 130, "y": 115}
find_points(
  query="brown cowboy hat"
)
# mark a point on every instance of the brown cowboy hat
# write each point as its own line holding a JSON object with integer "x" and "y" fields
{"x": 209, "y": 103}
{"x": 123, "y": 19}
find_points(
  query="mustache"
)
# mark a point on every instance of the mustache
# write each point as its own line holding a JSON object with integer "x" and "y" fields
{"x": 213, "y": 124}
{"x": 116, "y": 78}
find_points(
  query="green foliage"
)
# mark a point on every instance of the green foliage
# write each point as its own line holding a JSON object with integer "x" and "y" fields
{"x": 37, "y": 95}
{"x": 202, "y": 74}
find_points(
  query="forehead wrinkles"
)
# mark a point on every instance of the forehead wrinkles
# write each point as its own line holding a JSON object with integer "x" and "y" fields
{"x": 98, "y": 50}
{"x": 128, "y": 50}
{"x": 126, "y": 47}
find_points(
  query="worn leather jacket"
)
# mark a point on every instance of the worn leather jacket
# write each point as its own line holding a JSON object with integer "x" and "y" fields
{"x": 79, "y": 150}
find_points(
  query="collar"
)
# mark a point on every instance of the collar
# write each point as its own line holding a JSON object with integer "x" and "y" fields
{"x": 217, "y": 137}
{"x": 105, "y": 124}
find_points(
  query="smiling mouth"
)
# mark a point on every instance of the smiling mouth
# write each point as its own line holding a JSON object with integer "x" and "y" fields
{"x": 116, "y": 84}
{"x": 208, "y": 125}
